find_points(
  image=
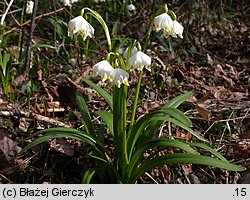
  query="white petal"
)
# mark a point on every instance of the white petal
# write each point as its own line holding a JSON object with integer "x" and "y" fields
{"x": 80, "y": 26}
{"x": 177, "y": 29}
{"x": 139, "y": 60}
{"x": 103, "y": 69}
{"x": 125, "y": 53}
{"x": 120, "y": 77}
{"x": 29, "y": 7}
{"x": 163, "y": 21}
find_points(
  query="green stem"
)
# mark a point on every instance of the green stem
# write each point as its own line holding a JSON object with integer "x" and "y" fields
{"x": 117, "y": 123}
{"x": 136, "y": 99}
{"x": 102, "y": 22}
{"x": 148, "y": 34}
{"x": 124, "y": 133}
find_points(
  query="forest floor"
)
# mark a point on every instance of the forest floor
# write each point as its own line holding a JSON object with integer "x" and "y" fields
{"x": 212, "y": 61}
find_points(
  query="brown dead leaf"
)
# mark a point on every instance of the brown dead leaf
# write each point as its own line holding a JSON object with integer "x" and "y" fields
{"x": 8, "y": 147}
{"x": 23, "y": 164}
{"x": 187, "y": 169}
{"x": 204, "y": 98}
{"x": 205, "y": 113}
{"x": 194, "y": 179}
{"x": 8, "y": 152}
{"x": 140, "y": 110}
{"x": 166, "y": 174}
{"x": 243, "y": 147}
{"x": 62, "y": 146}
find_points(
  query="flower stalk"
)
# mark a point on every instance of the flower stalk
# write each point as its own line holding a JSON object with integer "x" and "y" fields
{"x": 98, "y": 17}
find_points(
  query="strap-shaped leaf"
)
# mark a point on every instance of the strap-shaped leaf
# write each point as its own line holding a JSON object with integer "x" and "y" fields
{"x": 175, "y": 102}
{"x": 143, "y": 125}
{"x": 88, "y": 176}
{"x": 138, "y": 128}
{"x": 179, "y": 158}
{"x": 162, "y": 142}
{"x": 86, "y": 118}
{"x": 209, "y": 149}
{"x": 171, "y": 108}
{"x": 179, "y": 115}
{"x": 178, "y": 123}
{"x": 100, "y": 91}
{"x": 107, "y": 117}
{"x": 53, "y": 133}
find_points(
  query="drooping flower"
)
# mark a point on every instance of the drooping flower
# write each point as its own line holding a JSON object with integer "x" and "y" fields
{"x": 140, "y": 60}
{"x": 131, "y": 8}
{"x": 125, "y": 53}
{"x": 29, "y": 7}
{"x": 103, "y": 69}
{"x": 79, "y": 26}
{"x": 120, "y": 77}
{"x": 177, "y": 29}
{"x": 68, "y": 2}
{"x": 164, "y": 22}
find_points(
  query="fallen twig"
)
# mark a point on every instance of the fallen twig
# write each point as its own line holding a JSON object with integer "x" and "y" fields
{"x": 37, "y": 117}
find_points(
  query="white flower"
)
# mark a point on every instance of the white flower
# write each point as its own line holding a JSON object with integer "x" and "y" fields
{"x": 80, "y": 26}
{"x": 68, "y": 2}
{"x": 120, "y": 77}
{"x": 131, "y": 8}
{"x": 140, "y": 60}
{"x": 177, "y": 29}
{"x": 103, "y": 69}
{"x": 125, "y": 53}
{"x": 163, "y": 21}
{"x": 97, "y": 1}
{"x": 29, "y": 7}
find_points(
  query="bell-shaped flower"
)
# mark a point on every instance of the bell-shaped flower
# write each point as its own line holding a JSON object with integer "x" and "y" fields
{"x": 103, "y": 69}
{"x": 125, "y": 53}
{"x": 140, "y": 60}
{"x": 79, "y": 26}
{"x": 29, "y": 7}
{"x": 164, "y": 22}
{"x": 120, "y": 77}
{"x": 68, "y": 2}
{"x": 177, "y": 29}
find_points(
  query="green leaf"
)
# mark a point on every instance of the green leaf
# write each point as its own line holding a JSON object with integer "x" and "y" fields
{"x": 85, "y": 113}
{"x": 180, "y": 124}
{"x": 116, "y": 28}
{"x": 170, "y": 108}
{"x": 179, "y": 158}
{"x": 178, "y": 115}
{"x": 174, "y": 103}
{"x": 36, "y": 45}
{"x": 162, "y": 142}
{"x": 209, "y": 149}
{"x": 88, "y": 176}
{"x": 107, "y": 118}
{"x": 143, "y": 125}
{"x": 137, "y": 130}
{"x": 101, "y": 92}
{"x": 53, "y": 133}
